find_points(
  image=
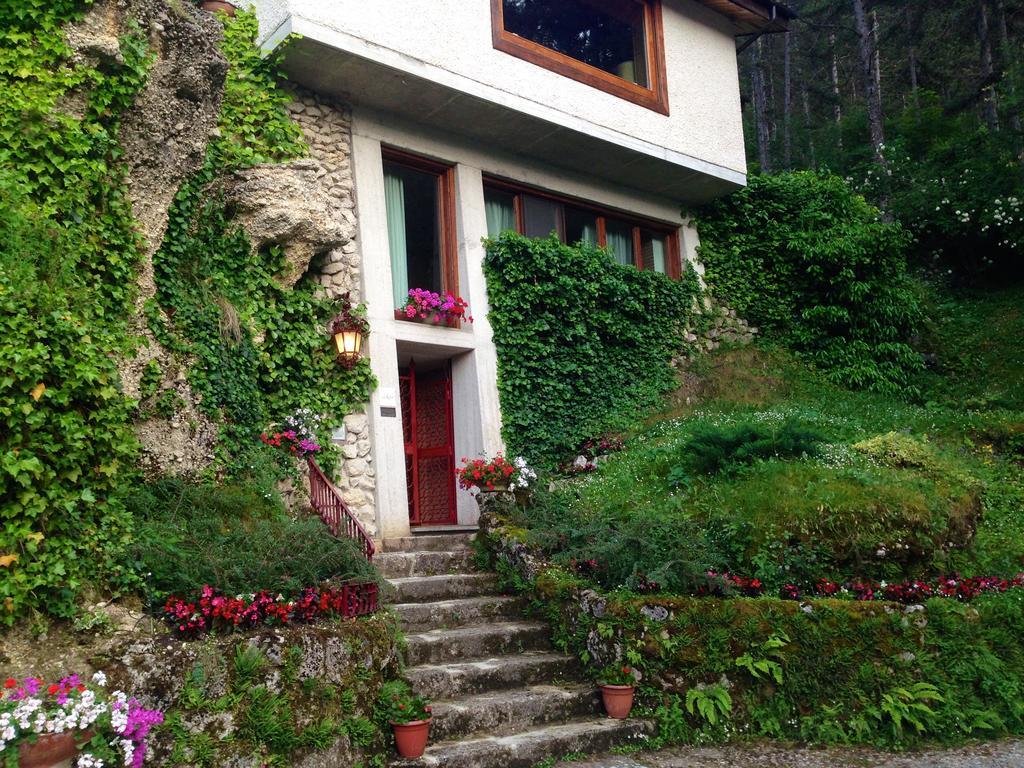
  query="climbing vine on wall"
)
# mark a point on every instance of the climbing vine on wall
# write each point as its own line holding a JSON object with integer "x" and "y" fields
{"x": 67, "y": 252}
{"x": 261, "y": 350}
{"x": 584, "y": 344}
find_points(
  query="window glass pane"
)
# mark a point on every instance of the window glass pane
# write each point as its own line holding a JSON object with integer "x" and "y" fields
{"x": 542, "y": 216}
{"x": 414, "y": 233}
{"x": 580, "y": 226}
{"x": 653, "y": 251}
{"x": 607, "y": 34}
{"x": 619, "y": 240}
{"x": 501, "y": 211}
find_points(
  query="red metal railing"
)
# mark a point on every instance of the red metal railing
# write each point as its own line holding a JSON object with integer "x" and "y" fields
{"x": 327, "y": 501}
{"x": 359, "y": 599}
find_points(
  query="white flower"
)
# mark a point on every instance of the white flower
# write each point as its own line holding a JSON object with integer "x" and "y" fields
{"x": 100, "y": 679}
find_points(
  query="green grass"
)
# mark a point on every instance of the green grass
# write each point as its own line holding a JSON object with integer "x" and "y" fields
{"x": 930, "y": 487}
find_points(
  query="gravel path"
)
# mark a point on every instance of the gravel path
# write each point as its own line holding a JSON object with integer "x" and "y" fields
{"x": 1000, "y": 754}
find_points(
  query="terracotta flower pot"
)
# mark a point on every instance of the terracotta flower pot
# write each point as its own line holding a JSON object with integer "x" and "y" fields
{"x": 218, "y": 5}
{"x": 411, "y": 738}
{"x": 50, "y": 749}
{"x": 618, "y": 700}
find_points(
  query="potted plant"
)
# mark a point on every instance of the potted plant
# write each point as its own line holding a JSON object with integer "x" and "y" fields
{"x": 218, "y": 5}
{"x": 429, "y": 307}
{"x": 496, "y": 475}
{"x": 617, "y": 683}
{"x": 50, "y": 724}
{"x": 409, "y": 716}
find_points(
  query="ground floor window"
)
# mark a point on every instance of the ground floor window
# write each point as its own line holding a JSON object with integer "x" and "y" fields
{"x": 418, "y": 194}
{"x": 644, "y": 244}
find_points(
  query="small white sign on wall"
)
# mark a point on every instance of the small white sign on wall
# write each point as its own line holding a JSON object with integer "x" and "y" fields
{"x": 387, "y": 400}
{"x": 339, "y": 434}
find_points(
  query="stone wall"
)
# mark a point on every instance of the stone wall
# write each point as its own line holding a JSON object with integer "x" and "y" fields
{"x": 302, "y": 671}
{"x": 327, "y": 127}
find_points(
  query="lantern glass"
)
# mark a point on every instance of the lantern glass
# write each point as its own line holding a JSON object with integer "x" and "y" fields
{"x": 349, "y": 342}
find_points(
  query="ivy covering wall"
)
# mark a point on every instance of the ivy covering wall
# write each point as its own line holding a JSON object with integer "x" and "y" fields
{"x": 261, "y": 350}
{"x": 584, "y": 344}
{"x": 69, "y": 250}
{"x": 67, "y": 254}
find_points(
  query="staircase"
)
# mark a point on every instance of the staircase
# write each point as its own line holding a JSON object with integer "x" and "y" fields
{"x": 502, "y": 697}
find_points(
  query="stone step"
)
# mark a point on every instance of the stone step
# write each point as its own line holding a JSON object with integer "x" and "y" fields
{"x": 399, "y": 564}
{"x": 439, "y": 646}
{"x": 500, "y": 713}
{"x": 467, "y": 678}
{"x": 530, "y": 748}
{"x": 425, "y": 589}
{"x": 417, "y": 617}
{"x": 448, "y": 542}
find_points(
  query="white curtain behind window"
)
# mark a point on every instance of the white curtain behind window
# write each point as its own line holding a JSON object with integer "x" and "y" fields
{"x": 658, "y": 252}
{"x": 394, "y": 198}
{"x": 589, "y": 235}
{"x": 501, "y": 216}
{"x": 620, "y": 244}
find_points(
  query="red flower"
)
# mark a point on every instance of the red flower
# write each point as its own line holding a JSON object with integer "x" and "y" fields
{"x": 53, "y": 689}
{"x": 10, "y": 682}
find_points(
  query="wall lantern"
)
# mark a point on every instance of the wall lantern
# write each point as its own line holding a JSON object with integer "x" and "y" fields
{"x": 348, "y": 333}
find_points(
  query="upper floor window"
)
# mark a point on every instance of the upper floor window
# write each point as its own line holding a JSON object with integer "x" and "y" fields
{"x": 419, "y": 197}
{"x": 614, "y": 45}
{"x": 644, "y": 244}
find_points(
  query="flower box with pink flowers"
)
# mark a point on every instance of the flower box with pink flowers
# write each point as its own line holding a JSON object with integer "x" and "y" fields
{"x": 432, "y": 308}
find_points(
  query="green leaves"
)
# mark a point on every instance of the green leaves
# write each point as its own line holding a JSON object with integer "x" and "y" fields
{"x": 711, "y": 703}
{"x": 812, "y": 263}
{"x": 584, "y": 344}
{"x": 68, "y": 247}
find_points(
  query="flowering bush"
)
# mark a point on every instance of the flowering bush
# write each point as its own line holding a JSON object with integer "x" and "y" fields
{"x": 427, "y": 305}
{"x": 289, "y": 440}
{"x": 398, "y": 704}
{"x": 217, "y": 612}
{"x": 907, "y": 592}
{"x": 112, "y": 726}
{"x": 495, "y": 474}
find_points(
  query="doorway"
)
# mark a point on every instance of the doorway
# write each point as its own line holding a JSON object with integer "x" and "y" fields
{"x": 429, "y": 433}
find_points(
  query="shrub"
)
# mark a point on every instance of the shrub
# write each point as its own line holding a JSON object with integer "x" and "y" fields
{"x": 712, "y": 448}
{"x": 622, "y": 544}
{"x": 583, "y": 343}
{"x": 800, "y": 520}
{"x": 811, "y": 262}
{"x": 235, "y": 539}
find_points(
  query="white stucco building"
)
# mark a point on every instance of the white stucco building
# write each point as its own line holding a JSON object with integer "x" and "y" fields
{"x": 597, "y": 119}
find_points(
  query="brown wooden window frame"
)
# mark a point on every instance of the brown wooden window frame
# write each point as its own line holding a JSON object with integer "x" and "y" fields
{"x": 449, "y": 244}
{"x": 673, "y": 250}
{"x": 653, "y": 97}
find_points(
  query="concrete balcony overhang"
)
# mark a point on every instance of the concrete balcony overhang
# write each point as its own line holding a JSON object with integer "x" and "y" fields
{"x": 358, "y": 72}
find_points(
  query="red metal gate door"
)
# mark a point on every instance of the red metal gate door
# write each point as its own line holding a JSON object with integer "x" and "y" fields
{"x": 429, "y": 445}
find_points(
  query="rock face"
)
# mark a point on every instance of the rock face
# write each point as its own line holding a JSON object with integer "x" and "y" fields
{"x": 284, "y": 205}
{"x": 163, "y": 138}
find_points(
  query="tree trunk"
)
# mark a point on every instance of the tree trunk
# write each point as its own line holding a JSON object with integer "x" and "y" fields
{"x": 989, "y": 105}
{"x": 872, "y": 96}
{"x": 787, "y": 105}
{"x": 912, "y": 56}
{"x": 761, "y": 109}
{"x": 878, "y": 55}
{"x": 809, "y": 126}
{"x": 1007, "y": 61}
{"x": 837, "y": 102}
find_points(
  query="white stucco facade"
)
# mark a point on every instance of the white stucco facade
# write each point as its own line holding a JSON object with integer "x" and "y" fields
{"x": 423, "y": 77}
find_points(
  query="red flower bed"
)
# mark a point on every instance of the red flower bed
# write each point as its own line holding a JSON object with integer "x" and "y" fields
{"x": 955, "y": 586}
{"x": 217, "y": 612}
